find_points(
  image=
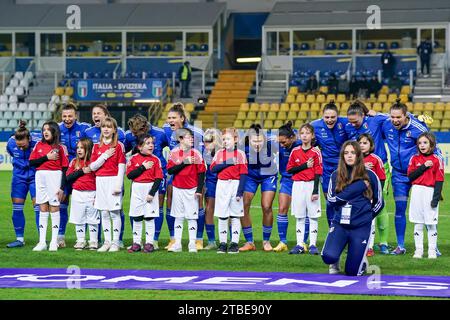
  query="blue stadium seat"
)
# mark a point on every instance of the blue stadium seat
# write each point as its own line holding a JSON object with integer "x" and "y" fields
{"x": 82, "y": 48}
{"x": 118, "y": 48}
{"x": 156, "y": 74}
{"x": 62, "y": 83}
{"x": 323, "y": 82}
{"x": 144, "y": 47}
{"x": 370, "y": 45}
{"x": 395, "y": 45}
{"x": 331, "y": 46}
{"x": 343, "y": 46}
{"x": 156, "y": 47}
{"x": 436, "y": 44}
{"x": 296, "y": 46}
{"x": 204, "y": 47}
{"x": 293, "y": 82}
{"x": 107, "y": 48}
{"x": 304, "y": 46}
{"x": 2, "y": 47}
{"x": 192, "y": 47}
{"x": 382, "y": 45}
{"x": 97, "y": 75}
{"x": 129, "y": 48}
{"x": 167, "y": 47}
{"x": 107, "y": 75}
{"x": 127, "y": 75}
{"x": 166, "y": 75}
{"x": 70, "y": 48}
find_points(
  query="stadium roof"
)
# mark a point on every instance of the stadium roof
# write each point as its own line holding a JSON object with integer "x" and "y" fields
{"x": 353, "y": 13}
{"x": 113, "y": 16}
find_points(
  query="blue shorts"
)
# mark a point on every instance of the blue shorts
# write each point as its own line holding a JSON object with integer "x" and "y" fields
{"x": 163, "y": 185}
{"x": 400, "y": 185}
{"x": 268, "y": 183}
{"x": 286, "y": 185}
{"x": 20, "y": 188}
{"x": 210, "y": 186}
{"x": 327, "y": 171}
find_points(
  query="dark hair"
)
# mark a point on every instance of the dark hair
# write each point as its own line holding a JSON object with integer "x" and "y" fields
{"x": 69, "y": 106}
{"x": 181, "y": 133}
{"x": 431, "y": 137}
{"x": 399, "y": 106}
{"x": 369, "y": 138}
{"x": 286, "y": 130}
{"x": 254, "y": 130}
{"x": 178, "y": 107}
{"x": 138, "y": 123}
{"x": 104, "y": 108}
{"x": 54, "y": 130}
{"x": 142, "y": 138}
{"x": 357, "y": 107}
{"x": 22, "y": 132}
{"x": 330, "y": 106}
{"x": 311, "y": 129}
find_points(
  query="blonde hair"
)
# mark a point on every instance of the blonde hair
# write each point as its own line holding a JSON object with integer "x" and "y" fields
{"x": 110, "y": 123}
{"x": 214, "y": 136}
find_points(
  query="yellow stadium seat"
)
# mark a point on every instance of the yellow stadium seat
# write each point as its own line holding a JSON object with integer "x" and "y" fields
{"x": 290, "y": 98}
{"x": 167, "y": 107}
{"x": 260, "y": 116}
{"x": 384, "y": 89}
{"x": 315, "y": 107}
{"x": 282, "y": 115}
{"x": 382, "y": 98}
{"x": 429, "y": 106}
{"x": 248, "y": 123}
{"x": 343, "y": 113}
{"x": 445, "y": 124}
{"x": 189, "y": 107}
{"x": 241, "y": 115}
{"x": 300, "y": 98}
{"x": 284, "y": 107}
{"x": 323, "y": 89}
{"x": 302, "y": 115}
{"x": 392, "y": 97}
{"x": 271, "y": 115}
{"x": 410, "y": 106}
{"x": 59, "y": 91}
{"x": 386, "y": 107}
{"x": 438, "y": 115}
{"x": 264, "y": 107}
{"x": 294, "y": 107}
{"x": 268, "y": 124}
{"x": 447, "y": 106}
{"x": 331, "y": 97}
{"x": 435, "y": 125}
{"x": 405, "y": 90}
{"x": 304, "y": 107}
{"x": 341, "y": 98}
{"x": 274, "y": 107}
{"x": 377, "y": 107}
{"x": 238, "y": 124}
{"x": 244, "y": 107}
{"x": 292, "y": 115}
{"x": 298, "y": 123}
{"x": 404, "y": 98}
{"x": 447, "y": 115}
{"x": 161, "y": 122}
{"x": 310, "y": 98}
{"x": 368, "y": 105}
{"x": 418, "y": 107}
{"x": 372, "y": 98}
{"x": 68, "y": 91}
{"x": 439, "y": 106}
{"x": 313, "y": 115}
{"x": 320, "y": 98}
{"x": 278, "y": 123}
{"x": 293, "y": 90}
{"x": 251, "y": 115}
{"x": 254, "y": 107}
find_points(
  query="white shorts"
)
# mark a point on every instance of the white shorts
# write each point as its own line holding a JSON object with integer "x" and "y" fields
{"x": 48, "y": 182}
{"x": 301, "y": 204}
{"x": 138, "y": 203}
{"x": 184, "y": 203}
{"x": 82, "y": 208}
{"x": 226, "y": 204}
{"x": 420, "y": 210}
{"x": 104, "y": 198}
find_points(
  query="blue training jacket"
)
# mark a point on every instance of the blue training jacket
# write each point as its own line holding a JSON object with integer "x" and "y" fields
{"x": 330, "y": 141}
{"x": 284, "y": 158}
{"x": 71, "y": 136}
{"x": 20, "y": 158}
{"x": 198, "y": 136}
{"x": 94, "y": 132}
{"x": 363, "y": 209}
{"x": 373, "y": 126}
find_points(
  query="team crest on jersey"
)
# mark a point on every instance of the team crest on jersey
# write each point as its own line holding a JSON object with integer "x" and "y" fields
{"x": 339, "y": 125}
{"x": 78, "y": 133}
{"x": 408, "y": 133}
{"x": 365, "y": 126}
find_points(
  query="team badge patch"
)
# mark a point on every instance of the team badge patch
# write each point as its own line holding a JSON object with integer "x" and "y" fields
{"x": 408, "y": 133}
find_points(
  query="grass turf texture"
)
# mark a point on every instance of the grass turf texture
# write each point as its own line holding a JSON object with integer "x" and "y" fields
{"x": 205, "y": 260}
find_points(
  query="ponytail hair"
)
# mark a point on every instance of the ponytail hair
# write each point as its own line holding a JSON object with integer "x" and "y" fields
{"x": 358, "y": 107}
{"x": 22, "y": 132}
{"x": 398, "y": 105}
{"x": 330, "y": 106}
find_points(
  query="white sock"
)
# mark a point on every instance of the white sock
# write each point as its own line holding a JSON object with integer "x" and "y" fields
{"x": 21, "y": 239}
{"x": 313, "y": 231}
{"x": 80, "y": 232}
{"x": 178, "y": 226}
{"x": 235, "y": 229}
{"x": 192, "y": 225}
{"x": 43, "y": 222}
{"x": 93, "y": 232}
{"x": 300, "y": 230}
{"x": 117, "y": 225}
{"x": 56, "y": 219}
{"x": 418, "y": 236}
{"x": 372, "y": 235}
{"x": 432, "y": 237}
{"x": 106, "y": 224}
{"x": 137, "y": 231}
{"x": 149, "y": 230}
{"x": 223, "y": 230}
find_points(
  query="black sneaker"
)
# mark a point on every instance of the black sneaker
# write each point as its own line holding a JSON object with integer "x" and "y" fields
{"x": 234, "y": 248}
{"x": 222, "y": 248}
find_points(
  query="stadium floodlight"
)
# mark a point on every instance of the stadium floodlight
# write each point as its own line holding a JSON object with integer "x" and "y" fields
{"x": 202, "y": 100}
{"x": 146, "y": 100}
{"x": 248, "y": 60}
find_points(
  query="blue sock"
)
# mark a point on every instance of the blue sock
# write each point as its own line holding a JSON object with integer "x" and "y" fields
{"x": 100, "y": 229}
{"x": 18, "y": 219}
{"x": 64, "y": 217}
{"x": 122, "y": 227}
{"x": 305, "y": 237}
{"x": 36, "y": 216}
{"x": 170, "y": 223}
{"x": 210, "y": 231}
{"x": 282, "y": 222}
{"x": 158, "y": 223}
{"x": 267, "y": 231}
{"x": 248, "y": 233}
{"x": 200, "y": 223}
{"x": 400, "y": 222}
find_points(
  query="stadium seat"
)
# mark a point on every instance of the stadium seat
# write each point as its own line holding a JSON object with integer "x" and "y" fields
{"x": 438, "y": 115}
{"x": 302, "y": 115}
{"x": 418, "y": 107}
{"x": 167, "y": 47}
{"x": 52, "y": 107}
{"x": 386, "y": 107}
{"x": 304, "y": 46}
{"x": 320, "y": 98}
{"x": 68, "y": 91}
{"x": 370, "y": 45}
{"x": 392, "y": 97}
{"x": 310, "y": 98}
{"x": 282, "y": 115}
{"x": 82, "y": 48}
{"x": 274, "y": 107}
{"x": 315, "y": 107}
{"x": 17, "y": 115}
{"x": 238, "y": 123}
{"x": 300, "y": 98}
{"x": 156, "y": 47}
{"x": 284, "y": 107}
{"x": 395, "y": 45}
{"x": 377, "y": 106}
{"x": 251, "y": 115}
{"x": 107, "y": 48}
{"x": 244, "y": 107}
{"x": 13, "y": 123}
{"x": 313, "y": 115}
{"x": 3, "y": 98}
{"x": 42, "y": 106}
{"x": 331, "y": 97}
{"x": 290, "y": 98}
{"x": 254, "y": 107}
{"x": 264, "y": 107}
{"x": 341, "y": 98}
{"x": 304, "y": 107}
{"x": 3, "y": 106}
{"x": 435, "y": 125}
{"x": 343, "y": 46}
{"x": 447, "y": 115}
{"x": 292, "y": 115}
{"x": 268, "y": 124}
{"x": 13, "y": 107}
{"x": 382, "y": 98}
{"x": 331, "y": 46}
{"x": 294, "y": 107}
{"x": 429, "y": 107}
{"x": 204, "y": 48}
{"x": 278, "y": 123}
{"x": 445, "y": 124}
{"x": 32, "y": 106}
{"x": 271, "y": 115}
{"x": 439, "y": 106}
{"x": 144, "y": 47}
{"x": 293, "y": 90}
{"x": 241, "y": 115}
{"x": 7, "y": 115}
{"x": 382, "y": 45}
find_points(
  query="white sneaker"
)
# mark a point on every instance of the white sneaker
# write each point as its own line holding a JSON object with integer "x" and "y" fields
{"x": 114, "y": 248}
{"x": 53, "y": 246}
{"x": 121, "y": 245}
{"x": 175, "y": 248}
{"x": 432, "y": 254}
{"x": 80, "y": 245}
{"x": 93, "y": 245}
{"x": 334, "y": 268}
{"x": 61, "y": 242}
{"x": 41, "y": 246}
{"x": 105, "y": 247}
{"x": 418, "y": 254}
{"x": 192, "y": 247}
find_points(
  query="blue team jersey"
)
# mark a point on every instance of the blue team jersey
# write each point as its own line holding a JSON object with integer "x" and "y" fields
{"x": 263, "y": 163}
{"x": 20, "y": 158}
{"x": 94, "y": 132}
{"x": 71, "y": 136}
{"x": 198, "y": 136}
{"x": 159, "y": 139}
{"x": 330, "y": 141}
{"x": 402, "y": 143}
{"x": 373, "y": 126}
{"x": 283, "y": 156}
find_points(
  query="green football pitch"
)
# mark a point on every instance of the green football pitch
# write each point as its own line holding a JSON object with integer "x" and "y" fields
{"x": 204, "y": 260}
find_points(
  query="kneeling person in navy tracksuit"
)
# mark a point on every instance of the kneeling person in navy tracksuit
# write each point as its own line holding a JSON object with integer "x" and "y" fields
{"x": 355, "y": 194}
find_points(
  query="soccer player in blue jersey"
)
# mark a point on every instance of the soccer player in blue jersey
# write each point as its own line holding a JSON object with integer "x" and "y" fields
{"x": 71, "y": 132}
{"x": 401, "y": 132}
{"x": 261, "y": 154}
{"x": 330, "y": 136}
{"x": 99, "y": 113}
{"x": 139, "y": 125}
{"x": 288, "y": 140}
{"x": 19, "y": 147}
{"x": 177, "y": 119}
